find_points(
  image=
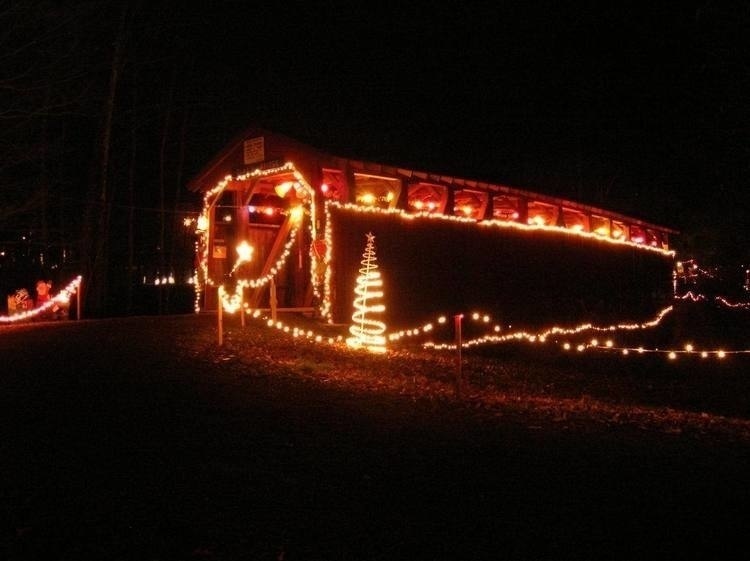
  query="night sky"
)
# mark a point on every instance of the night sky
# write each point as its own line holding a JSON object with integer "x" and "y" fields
{"x": 643, "y": 111}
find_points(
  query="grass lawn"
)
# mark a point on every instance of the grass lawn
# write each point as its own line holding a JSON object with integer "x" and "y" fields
{"x": 141, "y": 438}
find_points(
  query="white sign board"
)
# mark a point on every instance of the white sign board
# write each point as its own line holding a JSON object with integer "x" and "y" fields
{"x": 254, "y": 150}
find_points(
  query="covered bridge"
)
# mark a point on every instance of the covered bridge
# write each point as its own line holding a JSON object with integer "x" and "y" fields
{"x": 285, "y": 221}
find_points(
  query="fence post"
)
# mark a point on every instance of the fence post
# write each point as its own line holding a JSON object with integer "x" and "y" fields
{"x": 220, "y": 316}
{"x": 272, "y": 299}
{"x": 242, "y": 306}
{"x": 459, "y": 343}
{"x": 78, "y": 298}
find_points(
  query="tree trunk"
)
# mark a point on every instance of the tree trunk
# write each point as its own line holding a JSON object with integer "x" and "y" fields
{"x": 162, "y": 186}
{"x": 131, "y": 277}
{"x": 98, "y": 228}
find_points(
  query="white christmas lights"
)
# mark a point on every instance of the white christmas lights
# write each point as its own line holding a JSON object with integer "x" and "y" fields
{"x": 296, "y": 216}
{"x": 62, "y": 297}
{"x": 368, "y": 332}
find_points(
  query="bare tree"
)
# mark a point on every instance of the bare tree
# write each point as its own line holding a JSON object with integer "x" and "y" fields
{"x": 100, "y": 198}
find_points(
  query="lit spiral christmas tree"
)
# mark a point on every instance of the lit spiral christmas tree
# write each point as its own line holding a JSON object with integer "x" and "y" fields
{"x": 368, "y": 332}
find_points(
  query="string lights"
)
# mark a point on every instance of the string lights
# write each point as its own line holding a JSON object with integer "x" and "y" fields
{"x": 326, "y": 305}
{"x": 296, "y": 215}
{"x": 534, "y": 226}
{"x": 61, "y": 298}
{"x": 322, "y": 262}
{"x": 540, "y": 337}
{"x": 368, "y": 332}
{"x": 594, "y": 343}
{"x": 370, "y": 286}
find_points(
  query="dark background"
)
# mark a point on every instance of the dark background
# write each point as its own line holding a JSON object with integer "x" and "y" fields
{"x": 109, "y": 108}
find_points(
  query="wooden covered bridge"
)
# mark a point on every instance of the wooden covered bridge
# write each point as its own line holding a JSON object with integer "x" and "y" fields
{"x": 285, "y": 221}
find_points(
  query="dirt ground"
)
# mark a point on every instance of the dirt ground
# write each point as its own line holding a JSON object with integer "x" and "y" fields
{"x": 140, "y": 439}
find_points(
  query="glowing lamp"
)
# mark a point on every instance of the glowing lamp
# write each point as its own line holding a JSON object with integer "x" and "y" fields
{"x": 283, "y": 188}
{"x": 538, "y": 220}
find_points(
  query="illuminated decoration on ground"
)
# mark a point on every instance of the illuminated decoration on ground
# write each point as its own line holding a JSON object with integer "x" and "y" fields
{"x": 367, "y": 332}
{"x": 61, "y": 298}
{"x": 720, "y": 299}
{"x": 404, "y": 336}
{"x": 743, "y": 305}
{"x": 296, "y": 332}
{"x": 545, "y": 335}
{"x": 231, "y": 302}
